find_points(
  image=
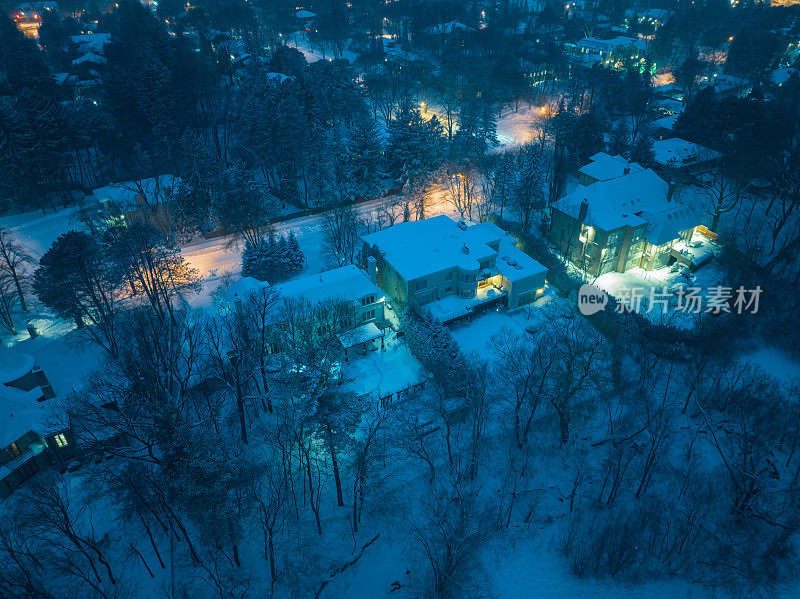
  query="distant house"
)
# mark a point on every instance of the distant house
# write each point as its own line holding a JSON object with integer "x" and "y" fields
{"x": 449, "y": 270}
{"x": 663, "y": 128}
{"x": 677, "y": 153}
{"x": 621, "y": 221}
{"x": 616, "y": 47}
{"x": 145, "y": 200}
{"x": 343, "y": 299}
{"x": 448, "y": 28}
{"x": 29, "y": 440}
{"x": 603, "y": 167}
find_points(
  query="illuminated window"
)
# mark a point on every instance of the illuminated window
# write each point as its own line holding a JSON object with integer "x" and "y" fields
{"x": 12, "y": 451}
{"x": 614, "y": 238}
{"x": 61, "y": 440}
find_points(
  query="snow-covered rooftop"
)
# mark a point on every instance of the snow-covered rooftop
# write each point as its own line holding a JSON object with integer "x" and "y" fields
{"x": 305, "y": 14}
{"x": 677, "y": 152}
{"x": 347, "y": 282}
{"x": 668, "y": 122}
{"x": 89, "y": 57}
{"x": 91, "y": 42}
{"x": 21, "y": 412}
{"x": 13, "y": 365}
{"x": 604, "y": 167}
{"x": 420, "y": 248}
{"x": 636, "y": 199}
{"x": 360, "y": 334}
{"x": 452, "y": 307}
{"x": 123, "y": 194}
{"x": 344, "y": 283}
{"x": 449, "y": 27}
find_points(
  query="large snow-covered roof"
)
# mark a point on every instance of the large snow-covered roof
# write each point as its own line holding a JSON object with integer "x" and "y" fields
{"x": 640, "y": 198}
{"x": 617, "y": 202}
{"x": 615, "y": 43}
{"x": 91, "y": 42}
{"x": 344, "y": 283}
{"x": 13, "y": 365}
{"x": 347, "y": 282}
{"x": 677, "y": 152}
{"x": 668, "y": 122}
{"x": 89, "y": 57}
{"x": 21, "y": 412}
{"x": 123, "y": 194}
{"x": 604, "y": 167}
{"x": 420, "y": 248}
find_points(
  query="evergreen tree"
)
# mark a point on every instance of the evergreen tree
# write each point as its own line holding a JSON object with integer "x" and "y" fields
{"x": 75, "y": 280}
{"x": 273, "y": 259}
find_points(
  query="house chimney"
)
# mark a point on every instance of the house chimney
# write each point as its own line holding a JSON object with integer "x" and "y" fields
{"x": 669, "y": 191}
{"x": 465, "y": 249}
{"x": 626, "y": 170}
{"x": 237, "y": 302}
{"x": 583, "y": 210}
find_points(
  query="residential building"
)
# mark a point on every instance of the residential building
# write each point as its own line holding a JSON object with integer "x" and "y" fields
{"x": 30, "y": 439}
{"x": 603, "y": 167}
{"x": 617, "y": 47}
{"x": 343, "y": 299}
{"x": 621, "y": 220}
{"x": 680, "y": 154}
{"x": 448, "y": 269}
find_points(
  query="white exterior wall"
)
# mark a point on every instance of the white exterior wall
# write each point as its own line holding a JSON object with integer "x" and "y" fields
{"x": 523, "y": 291}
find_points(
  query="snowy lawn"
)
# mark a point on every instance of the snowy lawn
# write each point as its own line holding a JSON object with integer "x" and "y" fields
{"x": 775, "y": 363}
{"x": 515, "y": 128}
{"x": 38, "y": 230}
{"x": 478, "y": 334}
{"x": 381, "y": 372}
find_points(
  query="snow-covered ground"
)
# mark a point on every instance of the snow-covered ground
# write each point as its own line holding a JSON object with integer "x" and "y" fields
{"x": 314, "y": 52}
{"x": 381, "y": 372}
{"x": 478, "y": 334}
{"x": 635, "y": 286}
{"x": 515, "y": 128}
{"x": 775, "y": 363}
{"x": 38, "y": 230}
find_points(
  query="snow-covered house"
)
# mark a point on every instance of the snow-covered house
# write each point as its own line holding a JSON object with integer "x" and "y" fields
{"x": 89, "y": 59}
{"x": 620, "y": 221}
{"x": 346, "y": 298}
{"x": 448, "y": 269}
{"x": 29, "y": 439}
{"x": 603, "y": 167}
{"x": 614, "y": 47}
{"x": 677, "y": 153}
{"x": 144, "y": 200}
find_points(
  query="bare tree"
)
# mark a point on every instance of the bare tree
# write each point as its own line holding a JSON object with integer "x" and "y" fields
{"x": 343, "y": 227}
{"x": 13, "y": 259}
{"x": 463, "y": 187}
{"x": 723, "y": 192}
{"x": 8, "y": 301}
